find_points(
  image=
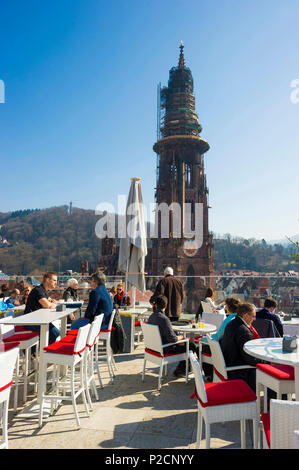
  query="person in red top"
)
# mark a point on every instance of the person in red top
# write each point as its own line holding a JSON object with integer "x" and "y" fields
{"x": 120, "y": 297}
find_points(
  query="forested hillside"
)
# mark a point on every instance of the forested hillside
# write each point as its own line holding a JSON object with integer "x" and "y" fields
{"x": 53, "y": 239}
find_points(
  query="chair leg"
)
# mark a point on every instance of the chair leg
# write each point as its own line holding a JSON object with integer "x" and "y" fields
{"x": 143, "y": 372}
{"x": 86, "y": 380}
{"x": 208, "y": 434}
{"x": 44, "y": 385}
{"x": 5, "y": 424}
{"x": 255, "y": 433}
{"x": 265, "y": 400}
{"x": 82, "y": 385}
{"x": 73, "y": 396}
{"x": 199, "y": 429}
{"x": 26, "y": 363}
{"x": 160, "y": 376}
{"x": 16, "y": 384}
{"x": 243, "y": 430}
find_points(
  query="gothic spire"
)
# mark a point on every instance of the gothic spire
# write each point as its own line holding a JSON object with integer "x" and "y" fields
{"x": 181, "y": 59}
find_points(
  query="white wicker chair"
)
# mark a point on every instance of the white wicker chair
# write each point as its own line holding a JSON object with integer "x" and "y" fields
{"x": 214, "y": 319}
{"x": 154, "y": 350}
{"x": 279, "y": 425}
{"x": 277, "y": 377}
{"x": 8, "y": 361}
{"x": 232, "y": 400}
{"x": 220, "y": 369}
{"x": 296, "y": 439}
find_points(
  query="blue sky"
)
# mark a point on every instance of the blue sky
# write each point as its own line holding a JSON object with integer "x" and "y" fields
{"x": 79, "y": 118}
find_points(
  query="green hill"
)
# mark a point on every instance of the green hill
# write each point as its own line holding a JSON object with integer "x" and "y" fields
{"x": 53, "y": 239}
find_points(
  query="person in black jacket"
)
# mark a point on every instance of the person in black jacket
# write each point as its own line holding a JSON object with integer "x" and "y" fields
{"x": 168, "y": 335}
{"x": 71, "y": 293}
{"x": 267, "y": 313}
{"x": 236, "y": 334}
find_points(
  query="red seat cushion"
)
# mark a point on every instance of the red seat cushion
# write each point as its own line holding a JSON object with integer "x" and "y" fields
{"x": 278, "y": 371}
{"x": 137, "y": 323}
{"x": 20, "y": 328}
{"x": 266, "y": 424}
{"x": 62, "y": 348}
{"x": 197, "y": 338}
{"x": 20, "y": 337}
{"x": 155, "y": 353}
{"x": 68, "y": 339}
{"x": 227, "y": 393}
{"x": 73, "y": 332}
{"x": 7, "y": 346}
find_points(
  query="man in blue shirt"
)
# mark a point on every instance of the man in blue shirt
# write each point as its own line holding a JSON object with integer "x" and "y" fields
{"x": 99, "y": 302}
{"x": 267, "y": 313}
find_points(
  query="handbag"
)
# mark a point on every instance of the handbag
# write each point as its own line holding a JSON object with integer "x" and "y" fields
{"x": 289, "y": 343}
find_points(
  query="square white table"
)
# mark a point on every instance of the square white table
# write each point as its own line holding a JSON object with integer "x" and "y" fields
{"x": 42, "y": 317}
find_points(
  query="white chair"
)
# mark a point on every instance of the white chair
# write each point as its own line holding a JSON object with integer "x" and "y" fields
{"x": 206, "y": 307}
{"x": 213, "y": 318}
{"x": 296, "y": 439}
{"x": 89, "y": 361}
{"x": 232, "y": 400}
{"x": 279, "y": 425}
{"x": 68, "y": 355}
{"x": 277, "y": 377}
{"x": 27, "y": 340}
{"x": 105, "y": 335}
{"x": 220, "y": 369}
{"x": 7, "y": 364}
{"x": 154, "y": 350}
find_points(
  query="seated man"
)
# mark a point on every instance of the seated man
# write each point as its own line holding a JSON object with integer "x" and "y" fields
{"x": 167, "y": 333}
{"x": 267, "y": 313}
{"x": 39, "y": 298}
{"x": 99, "y": 302}
{"x": 14, "y": 297}
{"x": 235, "y": 335}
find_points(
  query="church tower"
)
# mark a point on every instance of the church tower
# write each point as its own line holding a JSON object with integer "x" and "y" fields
{"x": 181, "y": 178}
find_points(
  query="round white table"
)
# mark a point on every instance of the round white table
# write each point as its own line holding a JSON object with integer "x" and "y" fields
{"x": 270, "y": 349}
{"x": 201, "y": 331}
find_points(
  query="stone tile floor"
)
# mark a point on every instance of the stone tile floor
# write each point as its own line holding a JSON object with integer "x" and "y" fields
{"x": 130, "y": 414}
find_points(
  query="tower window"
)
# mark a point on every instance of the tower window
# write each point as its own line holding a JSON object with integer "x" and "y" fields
{"x": 188, "y": 174}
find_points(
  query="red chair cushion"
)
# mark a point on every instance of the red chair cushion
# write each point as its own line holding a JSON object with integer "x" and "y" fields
{"x": 73, "y": 332}
{"x": 20, "y": 328}
{"x": 155, "y": 353}
{"x": 20, "y": 337}
{"x": 137, "y": 323}
{"x": 197, "y": 338}
{"x": 278, "y": 371}
{"x": 68, "y": 339}
{"x": 227, "y": 393}
{"x": 62, "y": 348}
{"x": 266, "y": 424}
{"x": 7, "y": 346}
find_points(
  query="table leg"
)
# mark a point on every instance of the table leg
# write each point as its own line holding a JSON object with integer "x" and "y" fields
{"x": 44, "y": 341}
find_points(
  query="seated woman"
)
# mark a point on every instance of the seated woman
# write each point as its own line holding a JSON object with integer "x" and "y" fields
{"x": 120, "y": 297}
{"x": 209, "y": 298}
{"x": 71, "y": 292}
{"x": 231, "y": 305}
{"x": 24, "y": 297}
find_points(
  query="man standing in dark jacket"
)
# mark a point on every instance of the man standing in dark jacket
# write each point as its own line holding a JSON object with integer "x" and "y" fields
{"x": 267, "y": 313}
{"x": 236, "y": 334}
{"x": 173, "y": 290}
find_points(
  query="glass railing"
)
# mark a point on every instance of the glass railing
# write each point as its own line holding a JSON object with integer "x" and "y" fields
{"x": 255, "y": 289}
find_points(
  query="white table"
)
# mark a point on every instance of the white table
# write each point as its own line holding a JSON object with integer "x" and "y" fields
{"x": 291, "y": 327}
{"x": 42, "y": 317}
{"x": 201, "y": 331}
{"x": 270, "y": 349}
